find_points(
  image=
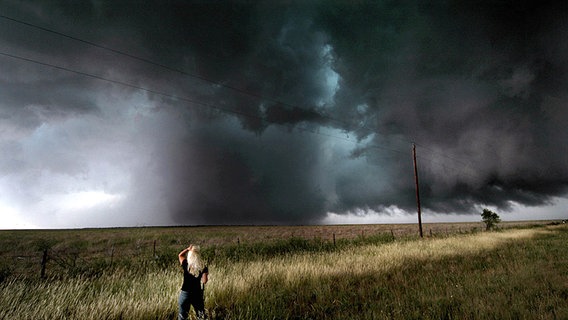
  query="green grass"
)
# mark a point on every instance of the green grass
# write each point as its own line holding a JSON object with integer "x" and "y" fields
{"x": 500, "y": 278}
{"x": 511, "y": 274}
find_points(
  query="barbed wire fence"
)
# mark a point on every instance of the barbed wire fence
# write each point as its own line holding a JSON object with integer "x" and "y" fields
{"x": 55, "y": 261}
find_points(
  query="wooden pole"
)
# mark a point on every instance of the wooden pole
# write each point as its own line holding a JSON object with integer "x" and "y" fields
{"x": 417, "y": 189}
{"x": 43, "y": 263}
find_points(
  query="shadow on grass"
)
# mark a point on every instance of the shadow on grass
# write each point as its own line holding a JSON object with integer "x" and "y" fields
{"x": 516, "y": 280}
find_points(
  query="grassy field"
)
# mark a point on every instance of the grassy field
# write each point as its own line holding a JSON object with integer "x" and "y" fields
{"x": 291, "y": 273}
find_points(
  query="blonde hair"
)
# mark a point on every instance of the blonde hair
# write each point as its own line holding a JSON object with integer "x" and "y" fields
{"x": 194, "y": 262}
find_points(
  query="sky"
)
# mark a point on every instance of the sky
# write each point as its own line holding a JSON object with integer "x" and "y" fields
{"x": 146, "y": 113}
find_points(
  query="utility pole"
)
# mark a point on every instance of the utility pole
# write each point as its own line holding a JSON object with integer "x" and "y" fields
{"x": 417, "y": 189}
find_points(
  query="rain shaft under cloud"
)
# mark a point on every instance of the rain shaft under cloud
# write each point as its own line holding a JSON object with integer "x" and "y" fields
{"x": 282, "y": 113}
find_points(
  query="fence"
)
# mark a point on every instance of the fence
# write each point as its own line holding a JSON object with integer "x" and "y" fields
{"x": 84, "y": 258}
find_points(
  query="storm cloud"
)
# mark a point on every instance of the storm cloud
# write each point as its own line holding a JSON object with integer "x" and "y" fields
{"x": 184, "y": 112}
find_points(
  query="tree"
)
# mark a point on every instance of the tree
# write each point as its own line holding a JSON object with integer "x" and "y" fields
{"x": 490, "y": 218}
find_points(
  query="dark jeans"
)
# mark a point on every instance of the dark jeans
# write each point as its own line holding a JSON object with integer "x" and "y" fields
{"x": 188, "y": 299}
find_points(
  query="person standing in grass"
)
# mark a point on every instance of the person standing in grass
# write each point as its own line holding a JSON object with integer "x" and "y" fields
{"x": 194, "y": 278}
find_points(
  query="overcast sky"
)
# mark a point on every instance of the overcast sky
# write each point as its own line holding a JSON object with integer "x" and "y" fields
{"x": 131, "y": 113}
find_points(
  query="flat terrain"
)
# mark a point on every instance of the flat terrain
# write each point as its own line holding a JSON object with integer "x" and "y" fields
{"x": 21, "y": 250}
{"x": 458, "y": 271}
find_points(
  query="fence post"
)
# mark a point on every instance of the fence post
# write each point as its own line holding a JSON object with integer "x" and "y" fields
{"x": 334, "y": 239}
{"x": 155, "y": 249}
{"x": 392, "y": 234}
{"x": 43, "y": 263}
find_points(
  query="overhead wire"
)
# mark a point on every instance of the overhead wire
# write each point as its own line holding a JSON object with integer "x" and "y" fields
{"x": 161, "y": 65}
{"x": 445, "y": 155}
{"x": 459, "y": 170}
{"x": 198, "y": 77}
{"x": 185, "y": 99}
{"x": 176, "y": 70}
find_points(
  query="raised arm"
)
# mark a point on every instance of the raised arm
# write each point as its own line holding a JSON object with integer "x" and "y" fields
{"x": 183, "y": 253}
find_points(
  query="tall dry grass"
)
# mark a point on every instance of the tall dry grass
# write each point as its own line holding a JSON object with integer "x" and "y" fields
{"x": 120, "y": 295}
{"x": 514, "y": 274}
{"x": 328, "y": 285}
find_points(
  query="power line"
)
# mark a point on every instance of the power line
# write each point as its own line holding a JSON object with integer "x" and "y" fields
{"x": 208, "y": 105}
{"x": 444, "y": 155}
{"x": 445, "y": 166}
{"x": 201, "y": 78}
{"x": 126, "y": 84}
{"x": 185, "y": 99}
{"x": 211, "y": 106}
{"x": 161, "y": 65}
{"x": 185, "y": 73}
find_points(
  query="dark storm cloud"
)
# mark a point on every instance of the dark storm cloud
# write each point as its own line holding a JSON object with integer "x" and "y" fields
{"x": 239, "y": 178}
{"x": 480, "y": 86}
{"x": 473, "y": 78}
